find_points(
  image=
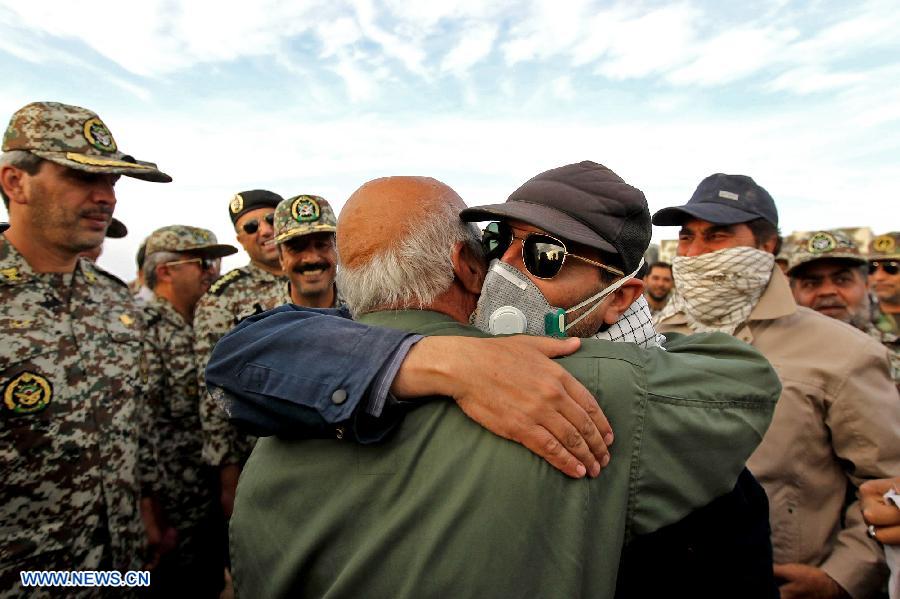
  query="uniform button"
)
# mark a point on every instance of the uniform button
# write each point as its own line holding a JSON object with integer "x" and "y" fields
{"x": 339, "y": 397}
{"x": 339, "y": 432}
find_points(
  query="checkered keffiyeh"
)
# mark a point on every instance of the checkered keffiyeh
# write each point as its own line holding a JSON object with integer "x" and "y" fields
{"x": 634, "y": 326}
{"x": 717, "y": 291}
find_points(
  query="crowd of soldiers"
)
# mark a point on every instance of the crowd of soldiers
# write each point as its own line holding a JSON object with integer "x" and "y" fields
{"x": 115, "y": 454}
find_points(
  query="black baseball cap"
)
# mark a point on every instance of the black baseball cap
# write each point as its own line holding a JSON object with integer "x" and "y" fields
{"x": 723, "y": 200}
{"x": 586, "y": 203}
{"x": 246, "y": 201}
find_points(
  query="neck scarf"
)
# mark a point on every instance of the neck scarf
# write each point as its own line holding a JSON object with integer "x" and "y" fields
{"x": 717, "y": 291}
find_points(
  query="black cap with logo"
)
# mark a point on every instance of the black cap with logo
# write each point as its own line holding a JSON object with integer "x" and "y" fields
{"x": 722, "y": 200}
{"x": 246, "y": 201}
{"x": 586, "y": 203}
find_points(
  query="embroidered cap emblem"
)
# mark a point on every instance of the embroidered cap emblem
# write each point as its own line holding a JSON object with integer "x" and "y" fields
{"x": 27, "y": 393}
{"x": 305, "y": 209}
{"x": 237, "y": 204}
{"x": 98, "y": 135}
{"x": 884, "y": 243}
{"x": 821, "y": 243}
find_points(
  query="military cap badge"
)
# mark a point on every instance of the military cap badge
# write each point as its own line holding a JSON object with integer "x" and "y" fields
{"x": 821, "y": 242}
{"x": 305, "y": 209}
{"x": 884, "y": 244}
{"x": 98, "y": 135}
{"x": 237, "y": 204}
{"x": 27, "y": 393}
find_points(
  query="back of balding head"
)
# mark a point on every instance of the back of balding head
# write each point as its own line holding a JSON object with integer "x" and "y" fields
{"x": 379, "y": 215}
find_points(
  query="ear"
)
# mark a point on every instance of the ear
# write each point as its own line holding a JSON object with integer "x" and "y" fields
{"x": 13, "y": 181}
{"x": 622, "y": 298}
{"x": 468, "y": 267}
{"x": 769, "y": 244}
{"x": 163, "y": 274}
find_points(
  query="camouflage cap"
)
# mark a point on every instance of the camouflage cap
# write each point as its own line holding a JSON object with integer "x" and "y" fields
{"x": 182, "y": 238}
{"x": 820, "y": 245}
{"x": 116, "y": 229}
{"x": 302, "y": 215}
{"x": 885, "y": 247}
{"x": 3, "y": 227}
{"x": 73, "y": 137}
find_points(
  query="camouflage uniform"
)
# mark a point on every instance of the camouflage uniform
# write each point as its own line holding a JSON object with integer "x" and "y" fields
{"x": 886, "y": 327}
{"x": 186, "y": 490}
{"x": 73, "y": 383}
{"x": 77, "y": 449}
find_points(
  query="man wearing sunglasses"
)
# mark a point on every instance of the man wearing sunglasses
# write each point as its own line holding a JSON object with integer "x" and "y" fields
{"x": 180, "y": 264}
{"x": 506, "y": 527}
{"x": 250, "y": 289}
{"x": 884, "y": 279}
{"x": 836, "y": 422}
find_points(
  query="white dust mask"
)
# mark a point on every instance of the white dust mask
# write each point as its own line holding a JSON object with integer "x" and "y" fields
{"x": 717, "y": 291}
{"x": 511, "y": 303}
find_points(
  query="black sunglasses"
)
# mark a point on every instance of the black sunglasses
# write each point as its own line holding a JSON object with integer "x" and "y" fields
{"x": 252, "y": 226}
{"x": 205, "y": 263}
{"x": 891, "y": 267}
{"x": 543, "y": 255}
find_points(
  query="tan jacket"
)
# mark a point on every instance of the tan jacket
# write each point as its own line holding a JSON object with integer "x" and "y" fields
{"x": 837, "y": 421}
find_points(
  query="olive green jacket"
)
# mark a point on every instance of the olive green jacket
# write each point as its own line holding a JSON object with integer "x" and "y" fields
{"x": 445, "y": 508}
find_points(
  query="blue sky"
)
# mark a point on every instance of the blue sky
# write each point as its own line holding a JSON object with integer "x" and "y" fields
{"x": 318, "y": 97}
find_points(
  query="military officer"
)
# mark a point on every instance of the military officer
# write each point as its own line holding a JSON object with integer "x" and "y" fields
{"x": 247, "y": 290}
{"x": 180, "y": 264}
{"x": 75, "y": 457}
{"x": 304, "y": 234}
{"x": 884, "y": 279}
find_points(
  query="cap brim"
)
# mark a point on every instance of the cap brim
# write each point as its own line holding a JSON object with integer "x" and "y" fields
{"x": 855, "y": 260}
{"x": 718, "y": 214}
{"x": 96, "y": 164}
{"x": 214, "y": 251}
{"x": 116, "y": 229}
{"x": 544, "y": 217}
{"x": 287, "y": 235}
{"x": 3, "y": 227}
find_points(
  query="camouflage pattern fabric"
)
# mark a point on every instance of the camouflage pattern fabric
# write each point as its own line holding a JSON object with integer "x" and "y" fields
{"x": 821, "y": 245}
{"x": 235, "y": 295}
{"x": 885, "y": 247}
{"x": 302, "y": 215}
{"x": 185, "y": 491}
{"x": 74, "y": 137}
{"x": 884, "y": 330}
{"x": 76, "y": 446}
{"x": 183, "y": 238}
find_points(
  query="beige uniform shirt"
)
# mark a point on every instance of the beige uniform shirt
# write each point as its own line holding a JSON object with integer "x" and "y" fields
{"x": 837, "y": 422}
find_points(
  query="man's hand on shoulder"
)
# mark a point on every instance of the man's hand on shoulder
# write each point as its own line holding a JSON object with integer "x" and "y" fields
{"x": 510, "y": 386}
{"x": 807, "y": 582}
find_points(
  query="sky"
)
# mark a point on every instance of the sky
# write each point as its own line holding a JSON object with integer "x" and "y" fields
{"x": 319, "y": 97}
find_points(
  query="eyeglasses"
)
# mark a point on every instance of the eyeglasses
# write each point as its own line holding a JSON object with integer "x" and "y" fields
{"x": 891, "y": 267}
{"x": 252, "y": 226}
{"x": 205, "y": 263}
{"x": 543, "y": 255}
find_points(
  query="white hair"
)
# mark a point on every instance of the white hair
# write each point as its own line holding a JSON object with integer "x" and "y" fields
{"x": 152, "y": 261}
{"x": 412, "y": 273}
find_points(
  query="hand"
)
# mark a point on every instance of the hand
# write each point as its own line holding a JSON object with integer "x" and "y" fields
{"x": 161, "y": 538}
{"x": 807, "y": 582}
{"x": 510, "y": 386}
{"x": 228, "y": 477}
{"x": 885, "y": 517}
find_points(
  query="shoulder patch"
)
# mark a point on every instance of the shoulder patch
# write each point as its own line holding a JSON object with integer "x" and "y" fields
{"x": 91, "y": 270}
{"x": 225, "y": 280}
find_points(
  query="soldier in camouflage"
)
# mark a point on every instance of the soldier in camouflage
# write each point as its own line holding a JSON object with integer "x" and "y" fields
{"x": 884, "y": 279}
{"x": 304, "y": 232}
{"x": 180, "y": 264}
{"x": 77, "y": 460}
{"x": 829, "y": 274}
{"x": 244, "y": 291}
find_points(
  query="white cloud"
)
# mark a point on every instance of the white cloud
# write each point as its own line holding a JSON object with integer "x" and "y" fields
{"x": 475, "y": 44}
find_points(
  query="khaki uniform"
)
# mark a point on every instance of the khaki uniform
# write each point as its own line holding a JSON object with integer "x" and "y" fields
{"x": 74, "y": 441}
{"x": 235, "y": 295}
{"x": 836, "y": 422}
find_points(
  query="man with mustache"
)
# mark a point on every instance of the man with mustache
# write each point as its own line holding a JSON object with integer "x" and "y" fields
{"x": 77, "y": 455}
{"x": 829, "y": 275}
{"x": 180, "y": 264}
{"x": 304, "y": 234}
